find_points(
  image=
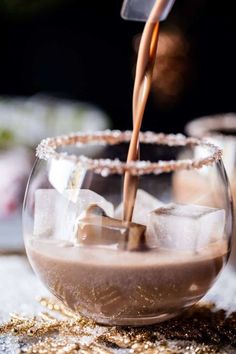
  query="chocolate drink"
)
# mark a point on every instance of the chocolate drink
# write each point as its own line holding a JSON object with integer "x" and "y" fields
{"x": 142, "y": 86}
{"x": 137, "y": 290}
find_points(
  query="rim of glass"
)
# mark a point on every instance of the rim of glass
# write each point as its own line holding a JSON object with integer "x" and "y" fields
{"x": 210, "y": 125}
{"x": 46, "y": 150}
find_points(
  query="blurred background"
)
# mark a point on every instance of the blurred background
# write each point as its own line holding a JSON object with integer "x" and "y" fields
{"x": 85, "y": 51}
{"x": 69, "y": 65}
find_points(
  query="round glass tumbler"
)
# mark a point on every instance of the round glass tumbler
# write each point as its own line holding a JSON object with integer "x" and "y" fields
{"x": 114, "y": 271}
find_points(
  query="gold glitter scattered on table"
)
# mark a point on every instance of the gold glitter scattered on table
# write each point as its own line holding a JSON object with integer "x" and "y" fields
{"x": 200, "y": 330}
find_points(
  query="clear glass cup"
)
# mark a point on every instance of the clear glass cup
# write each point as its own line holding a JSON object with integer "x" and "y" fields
{"x": 221, "y": 130}
{"x": 113, "y": 271}
{"x": 139, "y": 10}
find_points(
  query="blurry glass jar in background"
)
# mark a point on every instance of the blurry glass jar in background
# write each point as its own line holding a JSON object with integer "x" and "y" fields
{"x": 15, "y": 164}
{"x": 23, "y": 123}
{"x": 220, "y": 130}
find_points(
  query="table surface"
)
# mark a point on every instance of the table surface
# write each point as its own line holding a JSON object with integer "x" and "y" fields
{"x": 20, "y": 288}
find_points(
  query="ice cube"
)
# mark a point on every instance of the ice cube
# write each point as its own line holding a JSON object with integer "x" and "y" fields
{"x": 87, "y": 197}
{"x": 97, "y": 229}
{"x": 185, "y": 226}
{"x": 56, "y": 214}
{"x": 144, "y": 204}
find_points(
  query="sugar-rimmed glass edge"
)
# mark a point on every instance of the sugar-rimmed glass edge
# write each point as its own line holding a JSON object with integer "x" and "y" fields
{"x": 46, "y": 150}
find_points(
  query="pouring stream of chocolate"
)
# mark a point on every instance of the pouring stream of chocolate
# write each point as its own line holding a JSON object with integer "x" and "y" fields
{"x": 142, "y": 87}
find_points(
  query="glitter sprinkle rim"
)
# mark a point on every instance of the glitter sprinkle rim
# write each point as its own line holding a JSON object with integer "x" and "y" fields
{"x": 46, "y": 150}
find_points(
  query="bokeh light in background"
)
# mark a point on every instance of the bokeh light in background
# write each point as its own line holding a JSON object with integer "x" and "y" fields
{"x": 84, "y": 51}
